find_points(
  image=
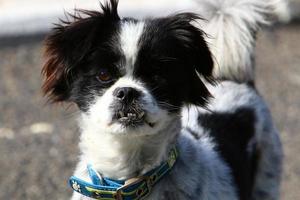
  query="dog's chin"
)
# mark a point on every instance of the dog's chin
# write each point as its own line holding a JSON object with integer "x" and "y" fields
{"x": 136, "y": 130}
{"x": 132, "y": 124}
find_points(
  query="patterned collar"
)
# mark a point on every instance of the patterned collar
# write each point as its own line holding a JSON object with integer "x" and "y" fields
{"x": 131, "y": 189}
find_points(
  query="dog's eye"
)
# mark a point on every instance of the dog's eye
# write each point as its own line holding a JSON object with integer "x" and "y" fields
{"x": 104, "y": 76}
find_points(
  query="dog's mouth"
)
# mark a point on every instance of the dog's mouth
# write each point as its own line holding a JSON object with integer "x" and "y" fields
{"x": 132, "y": 118}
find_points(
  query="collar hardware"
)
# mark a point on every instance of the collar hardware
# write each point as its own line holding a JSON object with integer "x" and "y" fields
{"x": 132, "y": 189}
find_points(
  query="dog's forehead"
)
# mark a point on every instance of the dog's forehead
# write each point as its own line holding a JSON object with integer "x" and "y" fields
{"x": 130, "y": 34}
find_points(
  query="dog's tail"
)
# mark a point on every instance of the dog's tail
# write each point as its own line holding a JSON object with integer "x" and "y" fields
{"x": 231, "y": 27}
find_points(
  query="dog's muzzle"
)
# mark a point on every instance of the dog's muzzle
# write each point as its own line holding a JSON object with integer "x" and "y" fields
{"x": 128, "y": 107}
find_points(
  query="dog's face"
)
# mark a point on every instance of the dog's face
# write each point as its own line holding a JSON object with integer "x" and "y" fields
{"x": 125, "y": 75}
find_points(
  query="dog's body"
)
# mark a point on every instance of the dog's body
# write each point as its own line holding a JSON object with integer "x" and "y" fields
{"x": 138, "y": 86}
{"x": 240, "y": 125}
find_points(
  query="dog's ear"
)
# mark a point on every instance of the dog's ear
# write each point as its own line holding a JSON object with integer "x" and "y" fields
{"x": 69, "y": 43}
{"x": 196, "y": 56}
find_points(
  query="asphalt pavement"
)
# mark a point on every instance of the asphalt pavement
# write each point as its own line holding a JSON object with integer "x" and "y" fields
{"x": 38, "y": 141}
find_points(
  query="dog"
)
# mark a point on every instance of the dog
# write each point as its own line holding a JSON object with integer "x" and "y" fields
{"x": 167, "y": 110}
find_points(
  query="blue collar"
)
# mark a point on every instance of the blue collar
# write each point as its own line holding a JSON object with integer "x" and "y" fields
{"x": 131, "y": 189}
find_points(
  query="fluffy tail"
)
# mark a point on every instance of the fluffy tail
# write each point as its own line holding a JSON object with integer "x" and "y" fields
{"x": 231, "y": 26}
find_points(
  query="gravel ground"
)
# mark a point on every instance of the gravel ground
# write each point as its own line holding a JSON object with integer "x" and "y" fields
{"x": 38, "y": 142}
{"x": 278, "y": 80}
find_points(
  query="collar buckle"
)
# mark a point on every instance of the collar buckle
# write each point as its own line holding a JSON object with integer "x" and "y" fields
{"x": 139, "y": 192}
{"x": 118, "y": 195}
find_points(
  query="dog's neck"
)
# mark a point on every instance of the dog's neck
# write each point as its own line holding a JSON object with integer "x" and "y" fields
{"x": 124, "y": 157}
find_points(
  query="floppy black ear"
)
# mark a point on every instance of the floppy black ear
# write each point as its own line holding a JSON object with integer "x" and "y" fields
{"x": 69, "y": 43}
{"x": 196, "y": 55}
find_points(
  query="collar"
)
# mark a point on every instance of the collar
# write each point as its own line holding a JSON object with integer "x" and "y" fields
{"x": 132, "y": 189}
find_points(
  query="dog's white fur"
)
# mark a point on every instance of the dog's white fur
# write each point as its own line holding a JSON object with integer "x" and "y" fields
{"x": 231, "y": 25}
{"x": 129, "y": 44}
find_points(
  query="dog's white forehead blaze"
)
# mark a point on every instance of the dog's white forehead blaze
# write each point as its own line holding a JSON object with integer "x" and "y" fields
{"x": 129, "y": 37}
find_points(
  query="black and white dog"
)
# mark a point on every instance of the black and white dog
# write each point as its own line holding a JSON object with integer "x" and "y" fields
{"x": 146, "y": 86}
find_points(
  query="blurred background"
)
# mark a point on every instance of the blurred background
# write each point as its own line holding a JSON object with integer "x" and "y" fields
{"x": 38, "y": 141}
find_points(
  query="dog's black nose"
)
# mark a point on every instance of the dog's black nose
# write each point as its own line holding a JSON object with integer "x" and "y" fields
{"x": 126, "y": 94}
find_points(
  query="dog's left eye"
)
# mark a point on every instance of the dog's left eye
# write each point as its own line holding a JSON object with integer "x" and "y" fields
{"x": 104, "y": 76}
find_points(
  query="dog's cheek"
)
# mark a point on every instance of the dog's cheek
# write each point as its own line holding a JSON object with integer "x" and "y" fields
{"x": 155, "y": 112}
{"x": 83, "y": 94}
{"x": 163, "y": 94}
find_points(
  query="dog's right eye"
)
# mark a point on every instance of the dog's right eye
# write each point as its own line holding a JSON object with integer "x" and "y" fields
{"x": 104, "y": 76}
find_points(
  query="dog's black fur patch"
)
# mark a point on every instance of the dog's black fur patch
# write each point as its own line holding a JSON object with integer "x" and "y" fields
{"x": 232, "y": 133}
{"x": 172, "y": 52}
